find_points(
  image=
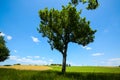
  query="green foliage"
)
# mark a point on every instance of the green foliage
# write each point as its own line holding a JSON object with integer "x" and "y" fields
{"x": 4, "y": 52}
{"x": 12, "y": 74}
{"x": 7, "y": 65}
{"x": 17, "y": 64}
{"x": 62, "y": 27}
{"x": 92, "y": 4}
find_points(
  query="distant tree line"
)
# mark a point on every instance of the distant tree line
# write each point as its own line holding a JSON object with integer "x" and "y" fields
{"x": 60, "y": 65}
{"x": 17, "y": 64}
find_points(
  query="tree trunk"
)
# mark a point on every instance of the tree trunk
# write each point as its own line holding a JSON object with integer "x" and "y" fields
{"x": 64, "y": 63}
{"x": 64, "y": 58}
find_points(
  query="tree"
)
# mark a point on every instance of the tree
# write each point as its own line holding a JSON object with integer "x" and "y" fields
{"x": 92, "y": 4}
{"x": 63, "y": 27}
{"x": 4, "y": 51}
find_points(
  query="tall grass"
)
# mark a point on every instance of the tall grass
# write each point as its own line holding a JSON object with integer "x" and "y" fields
{"x": 12, "y": 74}
{"x": 73, "y": 73}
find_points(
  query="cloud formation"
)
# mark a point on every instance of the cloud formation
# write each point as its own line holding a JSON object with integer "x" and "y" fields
{"x": 97, "y": 54}
{"x": 7, "y": 36}
{"x": 30, "y": 60}
{"x": 15, "y": 51}
{"x": 36, "y": 40}
{"x": 36, "y": 57}
{"x": 86, "y": 47}
{"x": 2, "y": 34}
{"x": 113, "y": 61}
{"x": 110, "y": 62}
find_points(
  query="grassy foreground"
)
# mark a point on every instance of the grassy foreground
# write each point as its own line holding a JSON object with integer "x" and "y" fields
{"x": 73, "y": 73}
{"x": 89, "y": 69}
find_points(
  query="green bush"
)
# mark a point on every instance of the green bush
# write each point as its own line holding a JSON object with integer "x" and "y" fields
{"x": 17, "y": 64}
{"x": 7, "y": 65}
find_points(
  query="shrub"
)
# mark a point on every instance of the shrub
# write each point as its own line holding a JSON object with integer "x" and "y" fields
{"x": 7, "y": 65}
{"x": 17, "y": 64}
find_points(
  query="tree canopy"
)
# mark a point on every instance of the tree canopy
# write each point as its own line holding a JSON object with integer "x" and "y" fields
{"x": 65, "y": 26}
{"x": 92, "y": 4}
{"x": 4, "y": 51}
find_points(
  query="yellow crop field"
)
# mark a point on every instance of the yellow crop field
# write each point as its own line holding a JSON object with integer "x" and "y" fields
{"x": 27, "y": 67}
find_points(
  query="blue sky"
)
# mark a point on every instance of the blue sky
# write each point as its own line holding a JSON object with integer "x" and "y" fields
{"x": 19, "y": 21}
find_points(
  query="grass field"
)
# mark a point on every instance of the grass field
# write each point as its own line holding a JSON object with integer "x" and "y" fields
{"x": 73, "y": 73}
{"x": 91, "y": 69}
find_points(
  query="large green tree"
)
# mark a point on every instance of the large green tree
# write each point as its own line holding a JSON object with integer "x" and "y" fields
{"x": 4, "y": 51}
{"x": 65, "y": 26}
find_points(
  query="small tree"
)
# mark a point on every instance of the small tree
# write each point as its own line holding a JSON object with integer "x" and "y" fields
{"x": 63, "y": 27}
{"x": 4, "y": 51}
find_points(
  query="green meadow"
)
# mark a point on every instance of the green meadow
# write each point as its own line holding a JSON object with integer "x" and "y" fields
{"x": 73, "y": 73}
{"x": 91, "y": 69}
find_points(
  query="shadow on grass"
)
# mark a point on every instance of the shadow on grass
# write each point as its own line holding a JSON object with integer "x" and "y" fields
{"x": 56, "y": 75}
{"x": 93, "y": 76}
{"x": 12, "y": 74}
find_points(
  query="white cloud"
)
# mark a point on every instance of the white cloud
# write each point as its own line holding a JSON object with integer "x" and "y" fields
{"x": 43, "y": 57}
{"x": 73, "y": 64}
{"x": 13, "y": 57}
{"x": 113, "y": 61}
{"x": 36, "y": 40}
{"x": 86, "y": 47}
{"x": 29, "y": 57}
{"x": 2, "y": 34}
{"x": 97, "y": 54}
{"x": 50, "y": 61}
{"x": 30, "y": 60}
{"x": 15, "y": 51}
{"x": 36, "y": 56}
{"x": 110, "y": 62}
{"x": 9, "y": 37}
